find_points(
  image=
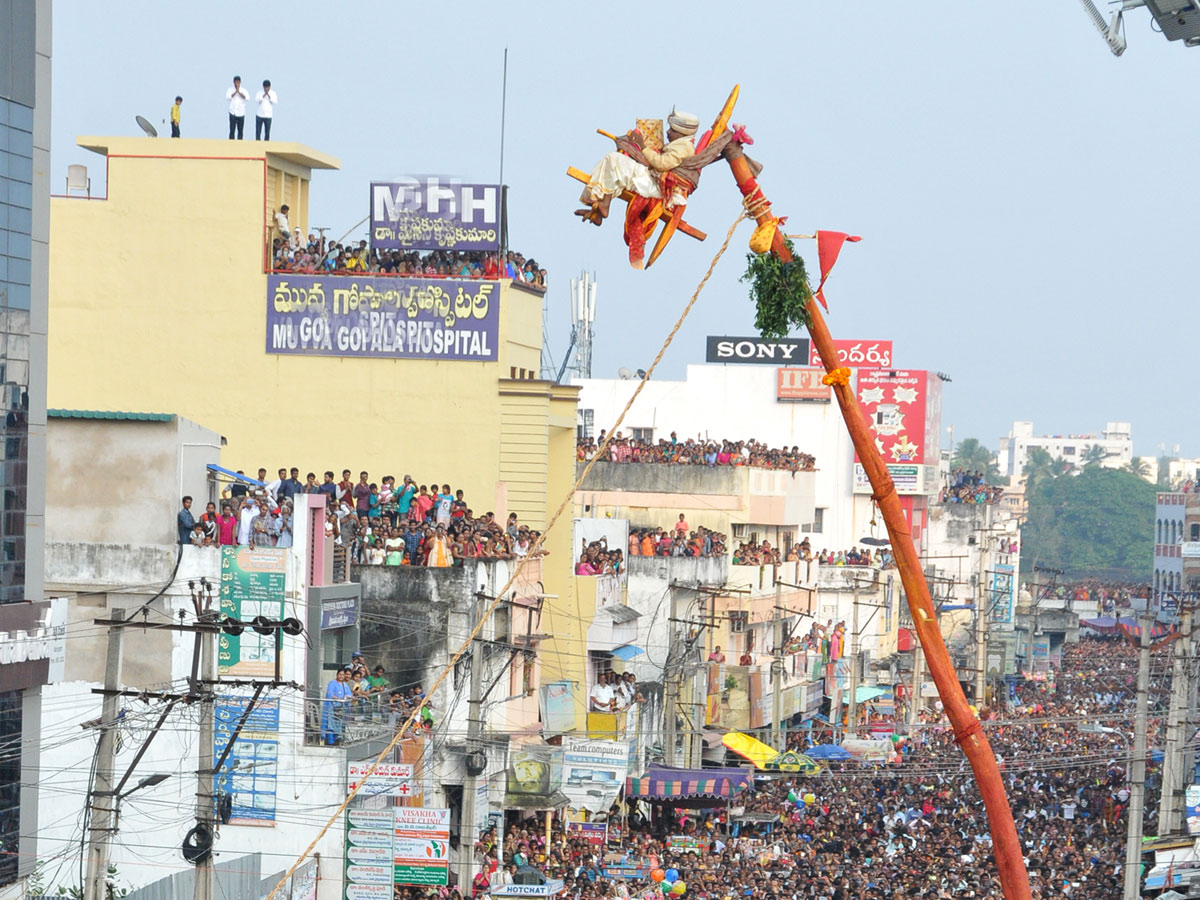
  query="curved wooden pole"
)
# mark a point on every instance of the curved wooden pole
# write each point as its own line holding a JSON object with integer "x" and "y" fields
{"x": 1006, "y": 846}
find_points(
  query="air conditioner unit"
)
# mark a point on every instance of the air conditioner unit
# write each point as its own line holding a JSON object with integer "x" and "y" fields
{"x": 738, "y": 622}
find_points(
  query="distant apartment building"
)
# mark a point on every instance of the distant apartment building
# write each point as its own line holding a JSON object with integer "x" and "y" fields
{"x": 1170, "y": 515}
{"x": 1116, "y": 440}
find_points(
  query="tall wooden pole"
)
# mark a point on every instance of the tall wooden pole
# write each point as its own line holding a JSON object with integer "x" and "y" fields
{"x": 969, "y": 734}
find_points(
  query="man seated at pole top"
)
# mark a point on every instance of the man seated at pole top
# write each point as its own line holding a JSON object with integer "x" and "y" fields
{"x": 618, "y": 172}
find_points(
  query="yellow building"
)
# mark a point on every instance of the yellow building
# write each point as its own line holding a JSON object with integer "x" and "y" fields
{"x": 159, "y": 301}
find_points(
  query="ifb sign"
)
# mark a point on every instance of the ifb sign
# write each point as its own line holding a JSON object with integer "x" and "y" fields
{"x": 782, "y": 351}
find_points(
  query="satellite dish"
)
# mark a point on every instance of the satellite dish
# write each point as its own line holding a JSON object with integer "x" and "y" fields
{"x": 144, "y": 124}
{"x": 624, "y": 374}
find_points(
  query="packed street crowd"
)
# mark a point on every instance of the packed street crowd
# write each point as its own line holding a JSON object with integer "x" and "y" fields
{"x": 697, "y": 452}
{"x": 913, "y": 828}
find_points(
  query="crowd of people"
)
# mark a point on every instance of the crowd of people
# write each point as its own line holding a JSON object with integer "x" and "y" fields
{"x": 360, "y": 695}
{"x": 696, "y": 452}
{"x": 680, "y": 540}
{"x": 1112, "y": 597}
{"x": 292, "y": 252}
{"x": 970, "y": 487}
{"x": 385, "y": 523}
{"x": 912, "y": 828}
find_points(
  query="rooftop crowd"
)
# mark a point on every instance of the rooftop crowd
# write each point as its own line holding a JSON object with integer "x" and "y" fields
{"x": 697, "y": 452}
{"x": 913, "y": 828}
{"x": 292, "y": 252}
{"x": 384, "y": 523}
{"x": 970, "y": 487}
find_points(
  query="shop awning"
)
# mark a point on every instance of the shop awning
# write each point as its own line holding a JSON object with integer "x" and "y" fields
{"x": 864, "y": 693}
{"x": 627, "y": 652}
{"x": 749, "y": 748}
{"x": 667, "y": 783}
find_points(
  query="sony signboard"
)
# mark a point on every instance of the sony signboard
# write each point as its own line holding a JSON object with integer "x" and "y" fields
{"x": 763, "y": 351}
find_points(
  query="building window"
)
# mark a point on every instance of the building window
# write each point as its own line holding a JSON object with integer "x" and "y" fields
{"x": 1068, "y": 451}
{"x": 818, "y": 523}
{"x": 10, "y": 785}
{"x": 587, "y": 420}
{"x": 1195, "y": 532}
{"x": 643, "y": 434}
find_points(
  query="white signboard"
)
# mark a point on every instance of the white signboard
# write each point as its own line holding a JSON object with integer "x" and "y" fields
{"x": 388, "y": 779}
{"x": 593, "y": 772}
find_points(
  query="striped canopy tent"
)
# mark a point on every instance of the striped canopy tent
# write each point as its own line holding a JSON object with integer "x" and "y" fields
{"x": 669, "y": 783}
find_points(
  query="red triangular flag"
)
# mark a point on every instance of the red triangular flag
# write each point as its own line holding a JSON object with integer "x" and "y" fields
{"x": 829, "y": 245}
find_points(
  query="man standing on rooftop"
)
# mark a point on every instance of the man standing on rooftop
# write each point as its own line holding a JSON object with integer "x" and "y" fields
{"x": 237, "y": 97}
{"x": 266, "y": 101}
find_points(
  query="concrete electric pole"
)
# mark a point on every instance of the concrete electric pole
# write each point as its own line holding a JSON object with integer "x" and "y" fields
{"x": 1170, "y": 809}
{"x": 852, "y": 711}
{"x": 1137, "y": 766}
{"x": 103, "y": 796}
{"x": 982, "y": 613}
{"x": 777, "y": 736}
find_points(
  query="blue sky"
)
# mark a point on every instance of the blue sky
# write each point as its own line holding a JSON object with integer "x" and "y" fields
{"x": 1025, "y": 199}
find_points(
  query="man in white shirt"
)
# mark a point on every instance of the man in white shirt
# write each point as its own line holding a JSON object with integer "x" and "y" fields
{"x": 237, "y": 97}
{"x": 266, "y": 101}
{"x": 282, "y": 225}
{"x": 246, "y": 522}
{"x": 602, "y": 695}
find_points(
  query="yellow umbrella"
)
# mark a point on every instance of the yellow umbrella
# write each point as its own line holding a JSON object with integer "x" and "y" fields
{"x": 750, "y": 748}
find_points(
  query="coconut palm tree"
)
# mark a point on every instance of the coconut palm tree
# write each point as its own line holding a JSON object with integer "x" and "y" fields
{"x": 972, "y": 456}
{"x": 1041, "y": 467}
{"x": 1139, "y": 467}
{"x": 1094, "y": 455}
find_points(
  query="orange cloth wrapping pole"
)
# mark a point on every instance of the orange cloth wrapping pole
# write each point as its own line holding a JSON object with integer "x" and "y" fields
{"x": 1006, "y": 846}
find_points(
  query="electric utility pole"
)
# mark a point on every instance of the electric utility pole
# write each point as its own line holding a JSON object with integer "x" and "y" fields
{"x": 852, "y": 711}
{"x": 103, "y": 798}
{"x": 1137, "y": 766}
{"x": 982, "y": 613}
{"x": 777, "y": 738}
{"x": 205, "y": 775}
{"x": 1174, "y": 760}
{"x": 469, "y": 827}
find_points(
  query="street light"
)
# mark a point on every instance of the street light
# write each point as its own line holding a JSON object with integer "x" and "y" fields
{"x": 148, "y": 781}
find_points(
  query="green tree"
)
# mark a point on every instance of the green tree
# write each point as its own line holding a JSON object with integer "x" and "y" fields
{"x": 1040, "y": 468}
{"x": 1101, "y": 521}
{"x": 972, "y": 456}
{"x": 1138, "y": 466}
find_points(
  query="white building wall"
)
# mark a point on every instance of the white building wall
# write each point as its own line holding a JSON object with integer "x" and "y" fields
{"x": 738, "y": 403}
{"x": 153, "y": 821}
{"x": 1116, "y": 439}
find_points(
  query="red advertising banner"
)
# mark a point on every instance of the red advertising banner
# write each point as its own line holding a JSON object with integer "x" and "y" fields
{"x": 894, "y": 404}
{"x": 802, "y": 384}
{"x": 877, "y": 354}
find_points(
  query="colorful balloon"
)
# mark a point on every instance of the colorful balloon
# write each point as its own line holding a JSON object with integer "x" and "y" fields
{"x": 657, "y": 875}
{"x": 672, "y": 875}
{"x": 678, "y": 888}
{"x": 791, "y": 796}
{"x": 810, "y": 798}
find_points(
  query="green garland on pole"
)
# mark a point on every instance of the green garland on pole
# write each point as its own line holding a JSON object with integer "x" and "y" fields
{"x": 780, "y": 291}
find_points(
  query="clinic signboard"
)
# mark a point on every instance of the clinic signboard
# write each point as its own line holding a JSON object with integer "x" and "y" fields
{"x": 436, "y": 213}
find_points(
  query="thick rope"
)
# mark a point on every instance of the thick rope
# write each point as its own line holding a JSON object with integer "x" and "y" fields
{"x": 496, "y": 601}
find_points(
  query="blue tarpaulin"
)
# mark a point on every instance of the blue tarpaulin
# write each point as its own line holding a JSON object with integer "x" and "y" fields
{"x": 827, "y": 751}
{"x": 627, "y": 652}
{"x": 213, "y": 467}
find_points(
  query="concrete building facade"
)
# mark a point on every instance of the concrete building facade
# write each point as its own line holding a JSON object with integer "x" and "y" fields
{"x": 1116, "y": 441}
{"x": 26, "y": 622}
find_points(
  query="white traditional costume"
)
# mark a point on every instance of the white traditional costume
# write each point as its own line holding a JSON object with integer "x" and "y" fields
{"x": 617, "y": 172}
